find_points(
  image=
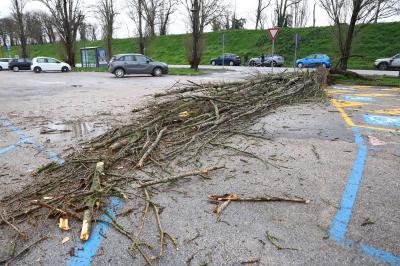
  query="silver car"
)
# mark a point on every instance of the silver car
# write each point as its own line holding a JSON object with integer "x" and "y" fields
{"x": 388, "y": 63}
{"x": 123, "y": 64}
{"x": 277, "y": 60}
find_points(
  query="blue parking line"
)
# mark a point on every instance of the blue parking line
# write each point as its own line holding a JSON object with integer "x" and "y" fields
{"x": 24, "y": 138}
{"x": 12, "y": 146}
{"x": 343, "y": 88}
{"x": 382, "y": 120}
{"x": 358, "y": 98}
{"x": 85, "y": 251}
{"x": 341, "y": 220}
{"x": 381, "y": 254}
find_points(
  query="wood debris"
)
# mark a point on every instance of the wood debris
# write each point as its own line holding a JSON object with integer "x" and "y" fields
{"x": 237, "y": 197}
{"x": 181, "y": 123}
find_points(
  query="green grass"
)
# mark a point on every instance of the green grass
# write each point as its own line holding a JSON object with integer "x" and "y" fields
{"x": 90, "y": 69}
{"x": 374, "y": 41}
{"x": 185, "y": 71}
{"x": 372, "y": 81}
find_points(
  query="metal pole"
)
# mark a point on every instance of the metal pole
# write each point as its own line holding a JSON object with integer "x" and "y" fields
{"x": 273, "y": 48}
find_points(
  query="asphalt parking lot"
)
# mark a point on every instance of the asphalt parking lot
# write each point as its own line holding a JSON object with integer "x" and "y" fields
{"x": 344, "y": 155}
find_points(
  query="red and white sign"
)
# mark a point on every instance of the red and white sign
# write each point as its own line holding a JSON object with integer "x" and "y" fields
{"x": 273, "y": 32}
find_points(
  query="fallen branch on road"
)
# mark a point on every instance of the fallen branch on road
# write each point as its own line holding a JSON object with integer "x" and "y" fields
{"x": 236, "y": 197}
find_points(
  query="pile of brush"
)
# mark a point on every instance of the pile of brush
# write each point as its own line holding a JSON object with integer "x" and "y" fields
{"x": 181, "y": 121}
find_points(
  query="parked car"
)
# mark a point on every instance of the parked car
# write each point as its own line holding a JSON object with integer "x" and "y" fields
{"x": 276, "y": 60}
{"x": 4, "y": 63}
{"x": 388, "y": 63}
{"x": 20, "y": 64}
{"x": 313, "y": 60}
{"x": 123, "y": 64}
{"x": 226, "y": 59}
{"x": 40, "y": 64}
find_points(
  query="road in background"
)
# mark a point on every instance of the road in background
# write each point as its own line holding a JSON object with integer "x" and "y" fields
{"x": 249, "y": 69}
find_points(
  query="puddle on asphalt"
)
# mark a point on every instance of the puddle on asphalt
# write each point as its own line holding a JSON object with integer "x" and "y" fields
{"x": 60, "y": 131}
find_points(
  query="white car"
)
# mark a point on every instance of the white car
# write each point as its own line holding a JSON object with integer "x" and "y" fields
{"x": 40, "y": 64}
{"x": 4, "y": 63}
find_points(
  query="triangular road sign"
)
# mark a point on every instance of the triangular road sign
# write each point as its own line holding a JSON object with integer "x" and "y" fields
{"x": 273, "y": 32}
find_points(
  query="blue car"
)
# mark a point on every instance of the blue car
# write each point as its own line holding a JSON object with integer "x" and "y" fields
{"x": 313, "y": 60}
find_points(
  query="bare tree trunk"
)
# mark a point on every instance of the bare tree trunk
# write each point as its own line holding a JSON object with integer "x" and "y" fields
{"x": 18, "y": 7}
{"x": 140, "y": 26}
{"x": 314, "y": 15}
{"x": 378, "y": 9}
{"x": 107, "y": 14}
{"x": 194, "y": 64}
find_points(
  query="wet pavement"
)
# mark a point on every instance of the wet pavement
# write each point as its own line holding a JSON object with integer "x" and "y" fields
{"x": 344, "y": 156}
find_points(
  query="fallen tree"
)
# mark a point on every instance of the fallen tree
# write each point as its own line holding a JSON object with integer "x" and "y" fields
{"x": 178, "y": 125}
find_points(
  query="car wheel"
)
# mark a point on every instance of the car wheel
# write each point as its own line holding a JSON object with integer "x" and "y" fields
{"x": 37, "y": 70}
{"x": 231, "y": 63}
{"x": 213, "y": 63}
{"x": 383, "y": 66}
{"x": 252, "y": 63}
{"x": 1, "y": 68}
{"x": 64, "y": 69}
{"x": 15, "y": 69}
{"x": 273, "y": 63}
{"x": 324, "y": 65}
{"x": 300, "y": 65}
{"x": 157, "y": 72}
{"x": 119, "y": 73}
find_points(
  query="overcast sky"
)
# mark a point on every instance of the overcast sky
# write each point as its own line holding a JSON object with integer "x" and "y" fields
{"x": 125, "y": 27}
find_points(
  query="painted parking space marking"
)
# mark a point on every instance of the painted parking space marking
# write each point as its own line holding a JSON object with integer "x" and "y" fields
{"x": 342, "y": 103}
{"x": 373, "y": 94}
{"x": 24, "y": 138}
{"x": 84, "y": 252}
{"x": 394, "y": 111}
{"x": 343, "y": 88}
{"x": 341, "y": 220}
{"x": 13, "y": 146}
{"x": 358, "y": 98}
{"x": 382, "y": 120}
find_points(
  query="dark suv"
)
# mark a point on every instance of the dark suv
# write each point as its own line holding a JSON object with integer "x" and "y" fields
{"x": 123, "y": 64}
{"x": 20, "y": 64}
{"x": 226, "y": 59}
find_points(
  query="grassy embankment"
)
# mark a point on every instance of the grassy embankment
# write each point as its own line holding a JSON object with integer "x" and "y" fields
{"x": 374, "y": 41}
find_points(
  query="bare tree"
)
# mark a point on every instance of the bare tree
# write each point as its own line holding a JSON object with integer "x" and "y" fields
{"x": 385, "y": 9}
{"x": 167, "y": 8}
{"x": 136, "y": 13}
{"x": 261, "y": 6}
{"x": 8, "y": 30}
{"x": 282, "y": 8}
{"x": 151, "y": 8}
{"x": 17, "y": 11}
{"x": 47, "y": 22}
{"x": 83, "y": 31}
{"x": 92, "y": 31}
{"x": 201, "y": 14}
{"x": 107, "y": 14}
{"x": 68, "y": 16}
{"x": 345, "y": 15}
{"x": 34, "y": 28}
{"x": 299, "y": 12}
